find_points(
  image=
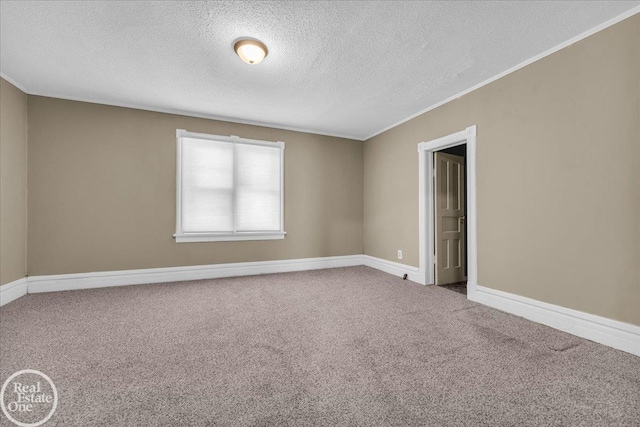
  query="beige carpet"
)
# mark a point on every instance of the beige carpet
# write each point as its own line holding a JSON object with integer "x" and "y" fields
{"x": 349, "y": 346}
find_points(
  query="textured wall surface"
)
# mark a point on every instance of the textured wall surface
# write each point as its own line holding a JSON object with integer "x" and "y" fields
{"x": 558, "y": 150}
{"x": 102, "y": 191}
{"x": 13, "y": 183}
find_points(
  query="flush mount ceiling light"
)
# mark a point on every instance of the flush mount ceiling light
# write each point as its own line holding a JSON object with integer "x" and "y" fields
{"x": 251, "y": 51}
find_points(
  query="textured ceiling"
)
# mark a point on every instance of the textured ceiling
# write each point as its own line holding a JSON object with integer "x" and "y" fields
{"x": 337, "y": 68}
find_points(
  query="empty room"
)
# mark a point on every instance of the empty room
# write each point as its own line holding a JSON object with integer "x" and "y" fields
{"x": 305, "y": 213}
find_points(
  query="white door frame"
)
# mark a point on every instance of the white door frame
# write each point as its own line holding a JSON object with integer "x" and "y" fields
{"x": 426, "y": 205}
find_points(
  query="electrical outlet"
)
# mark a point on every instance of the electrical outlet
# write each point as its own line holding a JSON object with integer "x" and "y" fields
{"x": 399, "y": 254}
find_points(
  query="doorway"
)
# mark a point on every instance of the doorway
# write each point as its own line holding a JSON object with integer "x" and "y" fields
{"x": 450, "y": 204}
{"x": 427, "y": 207}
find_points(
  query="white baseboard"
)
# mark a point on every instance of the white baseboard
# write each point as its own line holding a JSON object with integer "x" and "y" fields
{"x": 66, "y": 282}
{"x": 395, "y": 268}
{"x": 620, "y": 335}
{"x": 13, "y": 290}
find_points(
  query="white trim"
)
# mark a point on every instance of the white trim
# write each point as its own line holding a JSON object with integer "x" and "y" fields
{"x": 13, "y": 290}
{"x": 177, "y": 112}
{"x": 282, "y": 188}
{"x": 395, "y": 268}
{"x": 181, "y": 133}
{"x": 222, "y": 237}
{"x": 13, "y": 82}
{"x": 620, "y": 335}
{"x": 426, "y": 221}
{"x": 523, "y": 64}
{"x": 178, "y": 183}
{"x": 66, "y": 282}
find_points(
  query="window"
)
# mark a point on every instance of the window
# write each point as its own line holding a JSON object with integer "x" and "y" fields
{"x": 228, "y": 188}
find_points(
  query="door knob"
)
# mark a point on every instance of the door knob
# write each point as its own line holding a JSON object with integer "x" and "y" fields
{"x": 463, "y": 218}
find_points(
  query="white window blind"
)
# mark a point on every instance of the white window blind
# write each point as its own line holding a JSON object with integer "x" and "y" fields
{"x": 229, "y": 188}
{"x": 257, "y": 188}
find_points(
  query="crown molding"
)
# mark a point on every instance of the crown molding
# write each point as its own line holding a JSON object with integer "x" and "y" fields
{"x": 14, "y": 82}
{"x": 523, "y": 64}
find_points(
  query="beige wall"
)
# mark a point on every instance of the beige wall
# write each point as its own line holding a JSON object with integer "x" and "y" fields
{"x": 558, "y": 183}
{"x": 102, "y": 191}
{"x": 558, "y": 158}
{"x": 13, "y": 183}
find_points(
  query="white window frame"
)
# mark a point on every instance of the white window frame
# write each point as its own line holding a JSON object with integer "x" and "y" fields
{"x": 181, "y": 236}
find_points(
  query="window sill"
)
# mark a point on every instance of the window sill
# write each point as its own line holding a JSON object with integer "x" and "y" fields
{"x": 218, "y": 237}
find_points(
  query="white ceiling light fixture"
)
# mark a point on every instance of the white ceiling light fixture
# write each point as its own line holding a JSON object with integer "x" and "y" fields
{"x": 251, "y": 51}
